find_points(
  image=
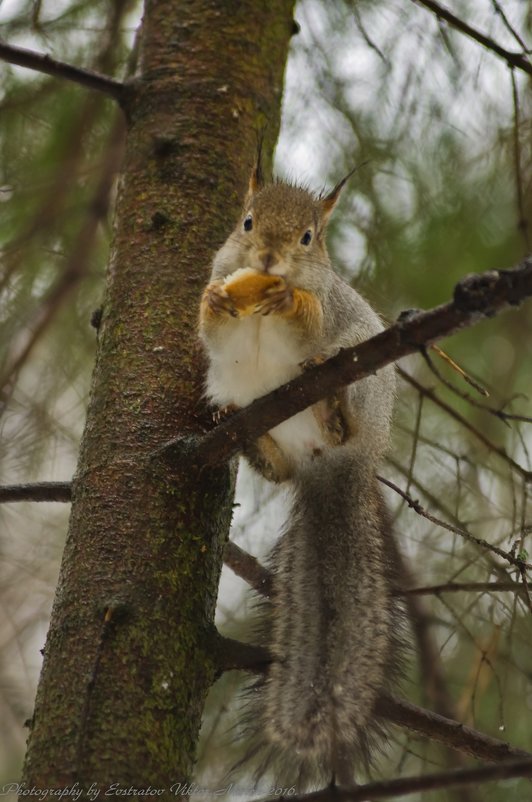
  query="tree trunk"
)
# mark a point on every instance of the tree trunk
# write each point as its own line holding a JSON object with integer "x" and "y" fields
{"x": 129, "y": 656}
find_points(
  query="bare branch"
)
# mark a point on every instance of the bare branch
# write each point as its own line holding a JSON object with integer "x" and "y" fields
{"x": 237, "y": 655}
{"x": 386, "y": 789}
{"x": 41, "y": 62}
{"x": 248, "y": 568}
{"x": 234, "y": 654}
{"x": 498, "y": 413}
{"x": 512, "y": 59}
{"x": 259, "y": 578}
{"x": 476, "y": 297}
{"x": 446, "y": 731}
{"x": 39, "y": 491}
{"x": 416, "y": 506}
{"x": 500, "y": 11}
{"x": 426, "y": 391}
{"x": 522, "y": 222}
{"x": 366, "y": 37}
{"x": 462, "y": 587}
{"x": 77, "y": 263}
{"x": 432, "y": 681}
{"x": 481, "y": 390}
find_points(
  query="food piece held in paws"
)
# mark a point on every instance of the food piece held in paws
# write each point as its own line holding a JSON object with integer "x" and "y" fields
{"x": 247, "y": 288}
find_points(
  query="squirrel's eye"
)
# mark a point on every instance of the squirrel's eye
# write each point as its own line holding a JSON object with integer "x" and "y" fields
{"x": 248, "y": 223}
{"x": 306, "y": 238}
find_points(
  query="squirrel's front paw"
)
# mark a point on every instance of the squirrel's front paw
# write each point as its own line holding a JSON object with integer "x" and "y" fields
{"x": 313, "y": 361}
{"x": 218, "y": 302}
{"x": 279, "y": 298}
{"x": 221, "y": 413}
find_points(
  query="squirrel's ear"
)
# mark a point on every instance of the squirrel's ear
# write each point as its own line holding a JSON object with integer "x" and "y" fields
{"x": 328, "y": 202}
{"x": 256, "y": 179}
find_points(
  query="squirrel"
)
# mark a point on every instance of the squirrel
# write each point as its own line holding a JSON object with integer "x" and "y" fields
{"x": 273, "y": 307}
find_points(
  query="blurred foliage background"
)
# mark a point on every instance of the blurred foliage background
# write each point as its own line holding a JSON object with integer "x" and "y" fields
{"x": 441, "y": 129}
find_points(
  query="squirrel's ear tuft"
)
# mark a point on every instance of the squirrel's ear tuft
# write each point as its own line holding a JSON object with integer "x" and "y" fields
{"x": 329, "y": 201}
{"x": 256, "y": 179}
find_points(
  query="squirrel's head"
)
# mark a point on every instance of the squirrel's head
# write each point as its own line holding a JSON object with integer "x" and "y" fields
{"x": 282, "y": 227}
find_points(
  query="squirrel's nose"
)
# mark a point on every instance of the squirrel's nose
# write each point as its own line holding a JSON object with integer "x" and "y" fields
{"x": 267, "y": 259}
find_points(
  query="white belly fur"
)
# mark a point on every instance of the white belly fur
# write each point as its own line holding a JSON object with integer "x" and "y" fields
{"x": 253, "y": 356}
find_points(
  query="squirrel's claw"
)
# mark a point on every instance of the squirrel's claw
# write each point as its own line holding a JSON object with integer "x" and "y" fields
{"x": 312, "y": 361}
{"x": 218, "y": 301}
{"x": 277, "y": 299}
{"x": 223, "y": 412}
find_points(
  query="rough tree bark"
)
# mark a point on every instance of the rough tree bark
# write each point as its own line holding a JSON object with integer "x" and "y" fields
{"x": 129, "y": 656}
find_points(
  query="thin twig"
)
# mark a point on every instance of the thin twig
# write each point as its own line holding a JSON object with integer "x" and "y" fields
{"x": 433, "y": 683}
{"x": 526, "y": 475}
{"x": 35, "y": 14}
{"x": 241, "y": 562}
{"x": 417, "y": 429}
{"x": 512, "y": 59}
{"x": 525, "y": 530}
{"x": 525, "y": 588}
{"x": 509, "y": 27}
{"x": 77, "y": 262}
{"x": 416, "y": 506}
{"x": 522, "y": 222}
{"x": 483, "y": 654}
{"x": 498, "y": 413}
{"x": 370, "y": 43}
{"x": 433, "y": 499}
{"x": 456, "y": 367}
{"x": 44, "y": 63}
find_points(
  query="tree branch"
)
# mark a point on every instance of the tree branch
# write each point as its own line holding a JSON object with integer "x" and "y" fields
{"x": 41, "y": 62}
{"x": 416, "y": 506}
{"x": 243, "y": 564}
{"x": 476, "y": 297}
{"x": 460, "y": 587}
{"x": 386, "y": 789}
{"x": 234, "y": 654}
{"x": 522, "y": 221}
{"x": 512, "y": 59}
{"x": 77, "y": 263}
{"x": 39, "y": 491}
{"x": 428, "y": 393}
{"x": 446, "y": 731}
{"x": 237, "y": 655}
{"x": 248, "y": 568}
{"x": 497, "y": 413}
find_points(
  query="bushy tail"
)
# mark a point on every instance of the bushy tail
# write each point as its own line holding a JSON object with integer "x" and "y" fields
{"x": 333, "y": 630}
